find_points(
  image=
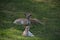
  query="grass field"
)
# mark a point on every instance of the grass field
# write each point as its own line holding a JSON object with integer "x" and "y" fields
{"x": 46, "y": 11}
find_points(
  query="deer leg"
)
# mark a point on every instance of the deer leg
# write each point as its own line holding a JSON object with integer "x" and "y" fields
{"x": 25, "y": 33}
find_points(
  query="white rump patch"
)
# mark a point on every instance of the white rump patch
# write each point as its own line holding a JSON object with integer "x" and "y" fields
{"x": 29, "y": 34}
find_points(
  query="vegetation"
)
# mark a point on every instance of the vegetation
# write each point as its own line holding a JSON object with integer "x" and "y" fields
{"x": 48, "y": 11}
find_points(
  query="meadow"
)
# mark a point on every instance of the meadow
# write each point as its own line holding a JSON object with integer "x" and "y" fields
{"x": 47, "y": 11}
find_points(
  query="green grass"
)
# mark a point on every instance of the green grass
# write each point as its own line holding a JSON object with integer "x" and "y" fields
{"x": 14, "y": 34}
{"x": 47, "y": 12}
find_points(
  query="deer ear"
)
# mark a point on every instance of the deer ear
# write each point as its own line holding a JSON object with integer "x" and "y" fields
{"x": 30, "y": 15}
{"x": 25, "y": 14}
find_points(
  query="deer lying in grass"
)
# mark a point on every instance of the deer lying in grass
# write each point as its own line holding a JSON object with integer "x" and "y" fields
{"x": 26, "y": 22}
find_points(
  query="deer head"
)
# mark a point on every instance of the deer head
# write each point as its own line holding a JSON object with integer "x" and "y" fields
{"x": 27, "y": 15}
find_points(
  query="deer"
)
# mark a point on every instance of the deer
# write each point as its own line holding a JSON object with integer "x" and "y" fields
{"x": 26, "y": 23}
